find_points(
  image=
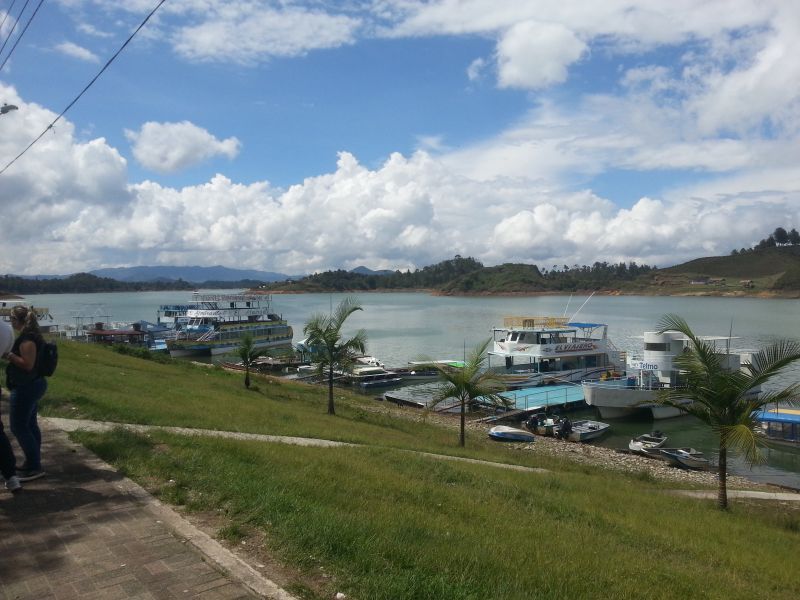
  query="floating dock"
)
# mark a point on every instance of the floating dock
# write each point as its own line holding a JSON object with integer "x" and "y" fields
{"x": 526, "y": 400}
{"x": 542, "y": 397}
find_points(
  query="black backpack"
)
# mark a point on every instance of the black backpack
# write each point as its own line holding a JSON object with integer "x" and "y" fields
{"x": 47, "y": 359}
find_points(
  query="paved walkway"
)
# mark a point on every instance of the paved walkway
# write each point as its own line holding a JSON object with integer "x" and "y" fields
{"x": 86, "y": 532}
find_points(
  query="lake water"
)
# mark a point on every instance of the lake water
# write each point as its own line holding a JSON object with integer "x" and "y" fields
{"x": 409, "y": 326}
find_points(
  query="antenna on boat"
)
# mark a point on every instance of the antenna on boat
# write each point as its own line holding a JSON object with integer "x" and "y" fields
{"x": 582, "y": 305}
{"x": 567, "y": 306}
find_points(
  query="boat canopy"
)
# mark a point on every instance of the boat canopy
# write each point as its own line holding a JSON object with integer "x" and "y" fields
{"x": 782, "y": 416}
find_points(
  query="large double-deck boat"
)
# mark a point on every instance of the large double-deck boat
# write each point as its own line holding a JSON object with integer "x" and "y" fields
{"x": 553, "y": 349}
{"x": 217, "y": 323}
{"x": 650, "y": 373}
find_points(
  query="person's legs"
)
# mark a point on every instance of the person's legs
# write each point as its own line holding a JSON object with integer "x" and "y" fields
{"x": 8, "y": 464}
{"x": 24, "y": 404}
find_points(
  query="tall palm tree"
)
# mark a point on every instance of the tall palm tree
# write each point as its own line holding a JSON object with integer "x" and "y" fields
{"x": 469, "y": 383}
{"x": 324, "y": 336}
{"x": 722, "y": 398}
{"x": 248, "y": 354}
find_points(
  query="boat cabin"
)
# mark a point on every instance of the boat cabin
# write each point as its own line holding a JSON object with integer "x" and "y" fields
{"x": 780, "y": 425}
{"x": 552, "y": 345}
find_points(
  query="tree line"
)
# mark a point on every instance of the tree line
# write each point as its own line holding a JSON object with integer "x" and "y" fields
{"x": 461, "y": 274}
{"x": 83, "y": 283}
{"x": 779, "y": 237}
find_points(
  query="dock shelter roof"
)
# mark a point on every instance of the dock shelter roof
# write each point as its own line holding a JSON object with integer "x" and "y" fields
{"x": 783, "y": 416}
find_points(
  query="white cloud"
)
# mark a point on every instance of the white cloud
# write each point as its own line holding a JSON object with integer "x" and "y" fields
{"x": 475, "y": 69}
{"x": 75, "y": 51}
{"x": 532, "y": 54}
{"x": 170, "y": 147}
{"x": 248, "y": 33}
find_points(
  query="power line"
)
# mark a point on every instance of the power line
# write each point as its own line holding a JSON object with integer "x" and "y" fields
{"x": 8, "y": 12}
{"x": 21, "y": 33}
{"x": 16, "y": 22}
{"x": 84, "y": 90}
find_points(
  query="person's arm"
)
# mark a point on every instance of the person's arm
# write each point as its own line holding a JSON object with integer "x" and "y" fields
{"x": 26, "y": 359}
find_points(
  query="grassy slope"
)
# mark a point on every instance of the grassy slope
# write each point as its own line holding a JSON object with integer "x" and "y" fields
{"x": 389, "y": 524}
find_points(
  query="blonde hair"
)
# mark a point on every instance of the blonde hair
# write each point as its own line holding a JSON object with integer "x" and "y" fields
{"x": 27, "y": 318}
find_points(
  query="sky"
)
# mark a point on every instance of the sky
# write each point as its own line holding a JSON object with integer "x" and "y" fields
{"x": 300, "y": 136}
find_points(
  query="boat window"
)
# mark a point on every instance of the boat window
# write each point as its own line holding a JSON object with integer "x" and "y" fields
{"x": 656, "y": 347}
{"x": 512, "y": 337}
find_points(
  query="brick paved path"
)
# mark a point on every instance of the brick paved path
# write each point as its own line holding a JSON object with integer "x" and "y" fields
{"x": 84, "y": 532}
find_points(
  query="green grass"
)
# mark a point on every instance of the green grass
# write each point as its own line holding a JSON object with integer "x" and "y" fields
{"x": 96, "y": 383}
{"x": 391, "y": 525}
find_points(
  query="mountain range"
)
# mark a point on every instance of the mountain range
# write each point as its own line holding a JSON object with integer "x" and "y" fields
{"x": 189, "y": 274}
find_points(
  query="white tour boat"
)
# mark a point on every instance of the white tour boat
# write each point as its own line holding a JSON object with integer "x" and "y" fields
{"x": 646, "y": 376}
{"x": 553, "y": 349}
{"x": 217, "y": 324}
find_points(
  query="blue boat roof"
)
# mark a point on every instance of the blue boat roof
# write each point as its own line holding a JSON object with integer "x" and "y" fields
{"x": 777, "y": 417}
{"x": 586, "y": 325}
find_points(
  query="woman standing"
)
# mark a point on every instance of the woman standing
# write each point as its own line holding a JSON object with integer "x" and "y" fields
{"x": 27, "y": 387}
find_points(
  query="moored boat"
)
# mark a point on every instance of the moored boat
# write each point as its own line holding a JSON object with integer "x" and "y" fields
{"x": 647, "y": 441}
{"x": 586, "y": 430}
{"x": 688, "y": 458}
{"x": 217, "y": 324}
{"x": 553, "y": 349}
{"x": 371, "y": 376}
{"x": 636, "y": 391}
{"x": 503, "y": 433}
{"x": 780, "y": 426}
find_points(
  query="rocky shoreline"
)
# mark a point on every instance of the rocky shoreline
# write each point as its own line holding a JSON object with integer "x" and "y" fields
{"x": 598, "y": 456}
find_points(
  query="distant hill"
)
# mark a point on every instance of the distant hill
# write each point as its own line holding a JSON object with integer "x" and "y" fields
{"x": 774, "y": 269}
{"x": 191, "y": 274}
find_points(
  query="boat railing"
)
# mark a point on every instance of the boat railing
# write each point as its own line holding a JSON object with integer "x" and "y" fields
{"x": 629, "y": 384}
{"x": 542, "y": 396}
{"x": 534, "y": 322}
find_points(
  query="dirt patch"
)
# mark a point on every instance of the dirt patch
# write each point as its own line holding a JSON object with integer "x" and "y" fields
{"x": 253, "y": 546}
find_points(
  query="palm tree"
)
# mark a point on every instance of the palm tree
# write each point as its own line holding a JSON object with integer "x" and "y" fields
{"x": 722, "y": 398}
{"x": 324, "y": 336}
{"x": 248, "y": 353}
{"x": 468, "y": 383}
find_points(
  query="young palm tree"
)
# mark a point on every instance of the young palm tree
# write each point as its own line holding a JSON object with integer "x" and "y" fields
{"x": 324, "y": 336}
{"x": 722, "y": 398}
{"x": 248, "y": 353}
{"x": 469, "y": 383}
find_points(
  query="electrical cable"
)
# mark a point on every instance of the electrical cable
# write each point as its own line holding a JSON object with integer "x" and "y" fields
{"x": 83, "y": 91}
{"x": 19, "y": 37}
{"x": 16, "y": 22}
{"x": 8, "y": 12}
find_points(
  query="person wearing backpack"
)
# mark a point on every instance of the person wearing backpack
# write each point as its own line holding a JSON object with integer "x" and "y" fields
{"x": 27, "y": 386}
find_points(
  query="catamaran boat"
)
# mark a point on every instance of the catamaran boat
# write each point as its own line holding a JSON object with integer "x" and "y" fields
{"x": 552, "y": 349}
{"x": 635, "y": 391}
{"x": 217, "y": 323}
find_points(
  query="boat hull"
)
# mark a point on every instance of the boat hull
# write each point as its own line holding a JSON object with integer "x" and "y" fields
{"x": 615, "y": 400}
{"x": 502, "y": 433}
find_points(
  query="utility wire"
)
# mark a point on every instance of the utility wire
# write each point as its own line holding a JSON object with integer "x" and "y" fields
{"x": 16, "y": 22}
{"x": 8, "y": 12}
{"x": 19, "y": 37}
{"x": 83, "y": 91}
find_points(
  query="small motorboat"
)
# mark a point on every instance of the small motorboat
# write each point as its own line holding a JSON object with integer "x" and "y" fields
{"x": 543, "y": 424}
{"x": 581, "y": 431}
{"x": 503, "y": 433}
{"x": 686, "y": 458}
{"x": 647, "y": 441}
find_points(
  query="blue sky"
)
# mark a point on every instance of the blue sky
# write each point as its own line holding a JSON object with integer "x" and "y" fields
{"x": 298, "y": 136}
